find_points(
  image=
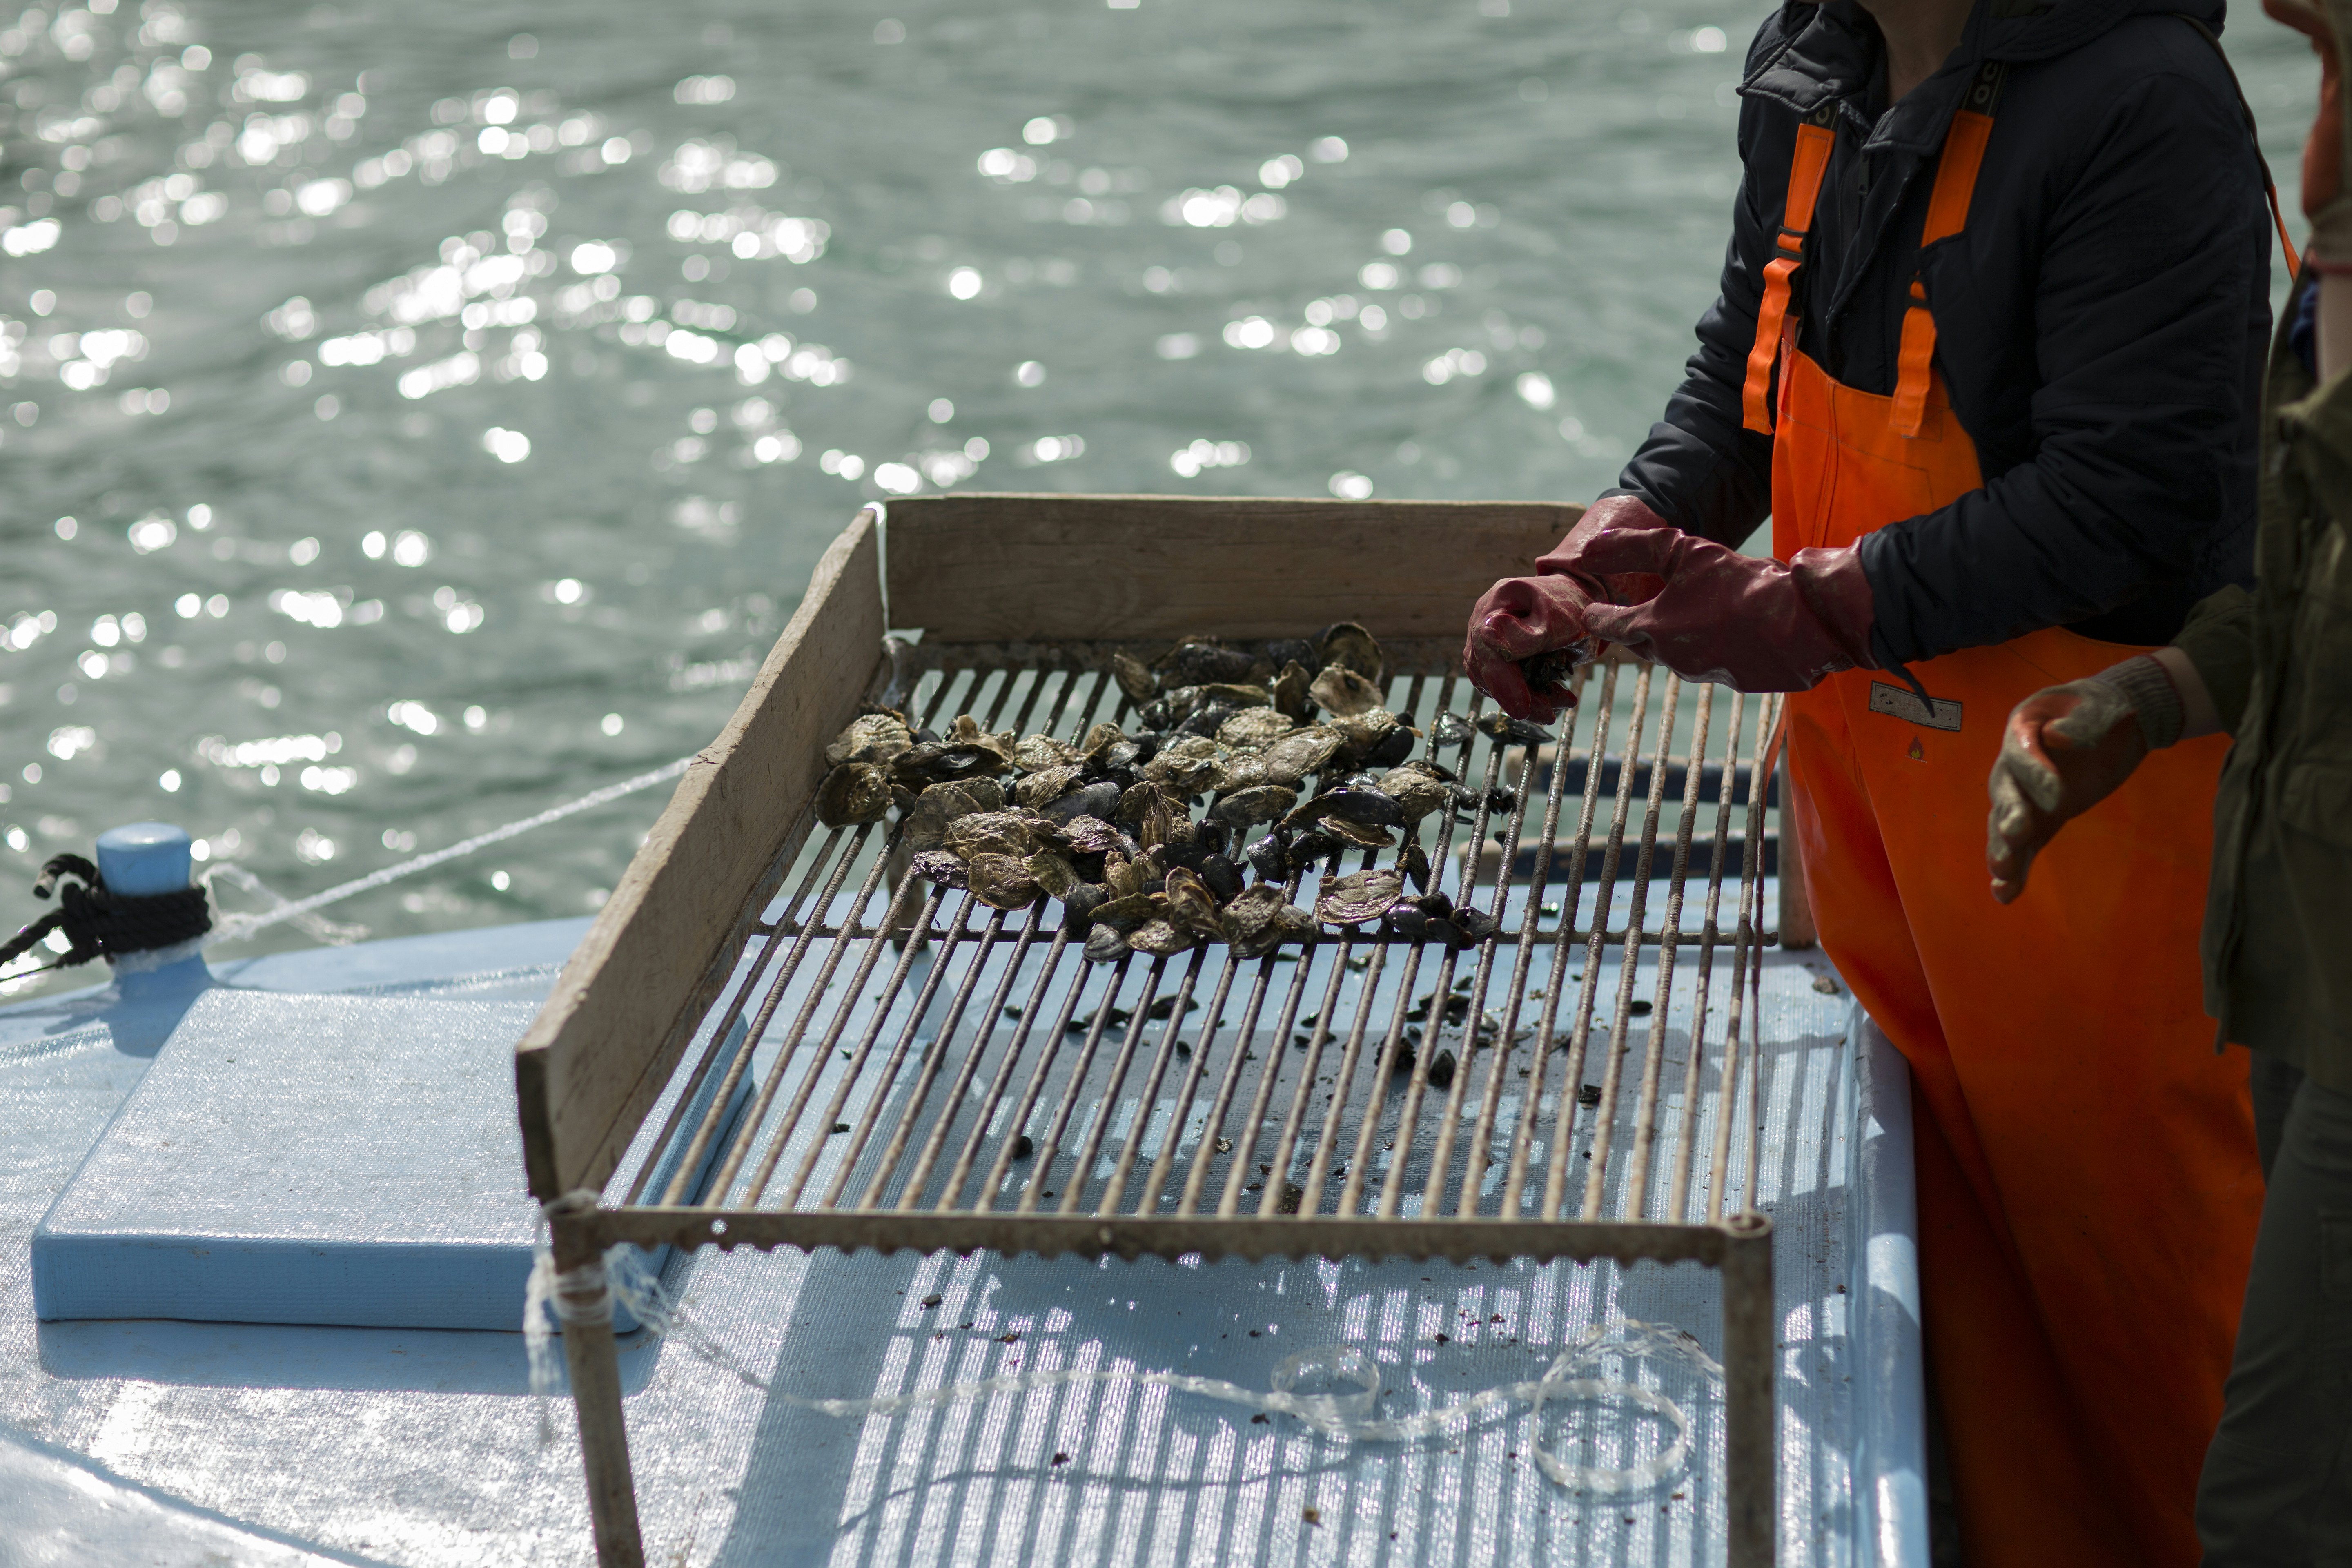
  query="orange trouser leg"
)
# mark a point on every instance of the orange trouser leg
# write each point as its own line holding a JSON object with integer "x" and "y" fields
{"x": 2027, "y": 1498}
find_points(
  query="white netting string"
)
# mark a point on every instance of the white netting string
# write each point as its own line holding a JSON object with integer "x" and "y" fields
{"x": 574, "y": 1296}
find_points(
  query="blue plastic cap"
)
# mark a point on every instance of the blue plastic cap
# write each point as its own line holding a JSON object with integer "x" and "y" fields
{"x": 145, "y": 859}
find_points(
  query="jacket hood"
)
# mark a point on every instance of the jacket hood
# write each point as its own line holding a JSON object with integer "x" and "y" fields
{"x": 1817, "y": 51}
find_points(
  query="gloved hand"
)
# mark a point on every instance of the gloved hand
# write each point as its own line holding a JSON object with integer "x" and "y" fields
{"x": 2322, "y": 151}
{"x": 1522, "y": 617}
{"x": 2066, "y": 749}
{"x": 1758, "y": 625}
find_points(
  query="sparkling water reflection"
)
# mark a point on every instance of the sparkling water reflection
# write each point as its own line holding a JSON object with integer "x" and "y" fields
{"x": 413, "y": 415}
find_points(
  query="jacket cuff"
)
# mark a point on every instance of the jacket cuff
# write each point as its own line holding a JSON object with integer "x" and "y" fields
{"x": 2153, "y": 697}
{"x": 2219, "y": 640}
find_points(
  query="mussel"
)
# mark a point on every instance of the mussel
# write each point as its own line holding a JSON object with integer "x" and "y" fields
{"x": 1199, "y": 662}
{"x": 1134, "y": 677}
{"x": 1501, "y": 726}
{"x": 1098, "y": 800}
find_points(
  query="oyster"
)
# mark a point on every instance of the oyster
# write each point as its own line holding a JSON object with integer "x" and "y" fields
{"x": 1090, "y": 835}
{"x": 1235, "y": 696}
{"x": 1048, "y": 785}
{"x": 1035, "y": 753}
{"x": 1293, "y": 756}
{"x": 1349, "y": 644}
{"x": 926, "y": 825}
{"x": 944, "y": 867}
{"x": 1358, "y": 896}
{"x": 1240, "y": 770}
{"x": 1160, "y": 937}
{"x": 1134, "y": 677}
{"x": 1260, "y": 920}
{"x": 1052, "y": 871}
{"x": 1342, "y": 692}
{"x": 1145, "y": 807}
{"x": 1258, "y": 802}
{"x": 1357, "y": 833}
{"x": 1416, "y": 790}
{"x": 1290, "y": 691}
{"x": 852, "y": 794}
{"x": 1192, "y": 907}
{"x": 1001, "y": 882}
{"x": 1123, "y": 877}
{"x": 1253, "y": 727}
{"x": 1104, "y": 945}
{"x": 947, "y": 761}
{"x": 1016, "y": 834}
{"x": 1126, "y": 912}
{"x": 1289, "y": 651}
{"x": 1187, "y": 764}
{"x": 870, "y": 738}
{"x": 1099, "y": 737}
{"x": 1307, "y": 849}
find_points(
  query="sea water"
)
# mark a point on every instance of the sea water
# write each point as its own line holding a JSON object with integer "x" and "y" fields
{"x": 413, "y": 415}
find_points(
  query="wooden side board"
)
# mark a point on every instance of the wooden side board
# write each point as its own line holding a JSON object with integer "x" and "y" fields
{"x": 993, "y": 568}
{"x": 629, "y": 999}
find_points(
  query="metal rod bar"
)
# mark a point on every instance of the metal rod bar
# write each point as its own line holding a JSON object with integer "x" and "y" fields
{"x": 1196, "y": 1066}
{"x": 1743, "y": 953}
{"x": 919, "y": 1177}
{"x": 1137, "y": 1021}
{"x": 840, "y": 847}
{"x": 1245, "y": 1140}
{"x": 1050, "y": 1145}
{"x": 1475, "y": 1158}
{"x": 1449, "y": 1126}
{"x": 1751, "y": 1455}
{"x": 1564, "y": 1125}
{"x": 1756, "y": 1012}
{"x": 1285, "y": 1142}
{"x": 746, "y": 1137}
{"x": 1212, "y": 1131}
{"x": 1147, "y": 1097}
{"x": 1653, "y": 1057}
{"x": 1687, "y": 1124}
{"x": 1035, "y": 1090}
{"x": 985, "y": 1117}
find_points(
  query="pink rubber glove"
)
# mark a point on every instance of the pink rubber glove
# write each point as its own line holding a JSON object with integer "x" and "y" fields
{"x": 1522, "y": 619}
{"x": 1756, "y": 624}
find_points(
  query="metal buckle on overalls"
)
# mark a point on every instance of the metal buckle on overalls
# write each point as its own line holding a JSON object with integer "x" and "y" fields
{"x": 1939, "y": 714}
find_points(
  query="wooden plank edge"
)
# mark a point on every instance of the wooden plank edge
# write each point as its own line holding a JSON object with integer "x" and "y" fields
{"x": 846, "y": 581}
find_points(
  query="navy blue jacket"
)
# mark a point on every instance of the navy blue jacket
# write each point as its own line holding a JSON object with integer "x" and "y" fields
{"x": 2101, "y": 320}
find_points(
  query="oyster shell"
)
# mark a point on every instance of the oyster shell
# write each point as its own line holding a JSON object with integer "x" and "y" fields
{"x": 1160, "y": 937}
{"x": 1128, "y": 911}
{"x": 1257, "y": 802}
{"x": 1098, "y": 737}
{"x": 1082, "y": 900}
{"x": 1048, "y": 785}
{"x": 1192, "y": 907}
{"x": 942, "y": 866}
{"x": 1343, "y": 693}
{"x": 852, "y": 794}
{"x": 1123, "y": 877}
{"x": 947, "y": 761}
{"x": 1134, "y": 677}
{"x": 1240, "y": 770}
{"x": 1357, "y": 833}
{"x": 1197, "y": 661}
{"x": 1146, "y": 808}
{"x": 1517, "y": 732}
{"x": 1035, "y": 753}
{"x": 1349, "y": 644}
{"x": 1362, "y": 804}
{"x": 926, "y": 825}
{"x": 1016, "y": 834}
{"x": 1053, "y": 872}
{"x": 1450, "y": 730}
{"x": 1187, "y": 764}
{"x": 1090, "y": 835}
{"x": 1001, "y": 882}
{"x": 1254, "y": 727}
{"x": 1292, "y": 757}
{"x": 1416, "y": 791}
{"x": 870, "y": 738}
{"x": 1260, "y": 920}
{"x": 1290, "y": 691}
{"x": 1360, "y": 897}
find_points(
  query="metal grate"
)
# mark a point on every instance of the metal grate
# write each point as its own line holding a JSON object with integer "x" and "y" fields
{"x": 901, "y": 1065}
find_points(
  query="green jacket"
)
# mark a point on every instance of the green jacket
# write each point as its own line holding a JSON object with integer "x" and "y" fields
{"x": 2278, "y": 660}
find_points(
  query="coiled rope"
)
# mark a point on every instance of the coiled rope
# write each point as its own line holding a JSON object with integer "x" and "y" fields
{"x": 591, "y": 1292}
{"x": 99, "y": 922}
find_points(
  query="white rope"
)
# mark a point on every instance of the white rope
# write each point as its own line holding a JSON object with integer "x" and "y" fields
{"x": 590, "y": 1292}
{"x": 236, "y": 927}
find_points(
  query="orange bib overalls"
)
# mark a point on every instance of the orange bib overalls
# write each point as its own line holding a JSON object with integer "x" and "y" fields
{"x": 2087, "y": 1183}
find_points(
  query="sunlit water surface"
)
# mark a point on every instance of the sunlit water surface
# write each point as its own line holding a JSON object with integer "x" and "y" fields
{"x": 413, "y": 415}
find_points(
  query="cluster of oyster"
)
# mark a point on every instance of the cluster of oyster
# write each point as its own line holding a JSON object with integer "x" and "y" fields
{"x": 1243, "y": 736}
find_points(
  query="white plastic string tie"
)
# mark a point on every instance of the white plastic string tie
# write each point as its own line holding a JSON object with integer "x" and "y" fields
{"x": 1346, "y": 1416}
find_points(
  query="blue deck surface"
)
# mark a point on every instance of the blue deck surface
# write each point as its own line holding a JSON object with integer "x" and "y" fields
{"x": 274, "y": 1444}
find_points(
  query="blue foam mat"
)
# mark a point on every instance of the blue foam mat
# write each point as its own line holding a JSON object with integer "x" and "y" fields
{"x": 295, "y": 1158}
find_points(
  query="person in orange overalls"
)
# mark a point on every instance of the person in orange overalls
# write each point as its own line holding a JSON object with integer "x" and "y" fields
{"x": 1988, "y": 350}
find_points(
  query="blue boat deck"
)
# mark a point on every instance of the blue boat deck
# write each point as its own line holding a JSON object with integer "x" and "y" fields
{"x": 140, "y": 1439}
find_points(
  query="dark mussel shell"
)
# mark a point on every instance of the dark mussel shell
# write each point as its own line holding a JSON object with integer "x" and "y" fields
{"x": 1517, "y": 732}
{"x": 1198, "y": 663}
{"x": 1408, "y": 920}
{"x": 1169, "y": 709}
{"x": 1414, "y": 864}
{"x": 1104, "y": 945}
{"x": 1223, "y": 877}
{"x": 1097, "y": 800}
{"x": 937, "y": 762}
{"x": 1213, "y": 837}
{"x": 1476, "y": 924}
{"x": 1270, "y": 856}
{"x": 1363, "y": 804}
{"x": 1289, "y": 651}
{"x": 1450, "y": 730}
{"x": 1082, "y": 900}
{"x": 1206, "y": 718}
{"x": 1392, "y": 748}
{"x": 1308, "y": 847}
{"x": 1502, "y": 798}
{"x": 1441, "y": 1069}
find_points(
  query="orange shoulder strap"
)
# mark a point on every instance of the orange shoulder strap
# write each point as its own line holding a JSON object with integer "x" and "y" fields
{"x": 1948, "y": 213}
{"x": 1814, "y": 142}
